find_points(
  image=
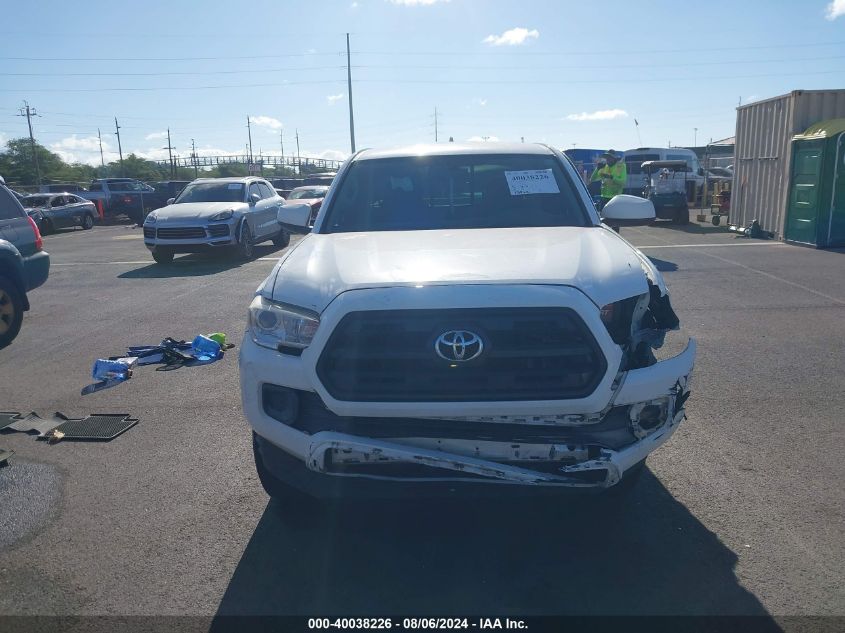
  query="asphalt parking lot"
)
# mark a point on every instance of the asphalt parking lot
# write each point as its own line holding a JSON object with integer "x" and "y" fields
{"x": 740, "y": 513}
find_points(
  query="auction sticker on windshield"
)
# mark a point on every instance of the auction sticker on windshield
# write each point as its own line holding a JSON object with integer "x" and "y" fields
{"x": 522, "y": 183}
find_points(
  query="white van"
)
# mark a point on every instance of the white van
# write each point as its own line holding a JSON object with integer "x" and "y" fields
{"x": 634, "y": 158}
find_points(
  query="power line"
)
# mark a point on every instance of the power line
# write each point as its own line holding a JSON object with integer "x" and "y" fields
{"x": 465, "y": 82}
{"x": 163, "y": 59}
{"x": 592, "y": 53}
{"x": 177, "y": 73}
{"x": 156, "y": 88}
{"x": 733, "y": 63}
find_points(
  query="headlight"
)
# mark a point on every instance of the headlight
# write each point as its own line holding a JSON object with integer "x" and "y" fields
{"x": 223, "y": 215}
{"x": 272, "y": 324}
{"x": 151, "y": 218}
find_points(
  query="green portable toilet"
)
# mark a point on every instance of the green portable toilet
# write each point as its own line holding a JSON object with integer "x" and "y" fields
{"x": 816, "y": 205}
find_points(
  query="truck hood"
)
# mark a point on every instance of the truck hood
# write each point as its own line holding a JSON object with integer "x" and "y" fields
{"x": 195, "y": 210}
{"x": 594, "y": 260}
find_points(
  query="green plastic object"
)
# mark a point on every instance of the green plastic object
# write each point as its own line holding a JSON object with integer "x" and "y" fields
{"x": 219, "y": 338}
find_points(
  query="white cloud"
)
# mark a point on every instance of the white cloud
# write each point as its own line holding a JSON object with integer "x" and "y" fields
{"x": 154, "y": 136}
{"x": 86, "y": 149}
{"x": 332, "y": 154}
{"x": 266, "y": 121}
{"x": 416, "y": 3}
{"x": 598, "y": 115}
{"x": 483, "y": 139}
{"x": 332, "y": 99}
{"x": 512, "y": 37}
{"x": 835, "y": 9}
{"x": 354, "y": 5}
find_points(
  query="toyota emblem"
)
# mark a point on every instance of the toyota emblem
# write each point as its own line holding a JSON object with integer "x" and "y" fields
{"x": 458, "y": 346}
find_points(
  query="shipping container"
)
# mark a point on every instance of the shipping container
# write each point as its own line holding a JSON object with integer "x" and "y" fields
{"x": 764, "y": 131}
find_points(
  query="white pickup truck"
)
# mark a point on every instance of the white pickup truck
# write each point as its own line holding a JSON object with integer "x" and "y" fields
{"x": 460, "y": 319}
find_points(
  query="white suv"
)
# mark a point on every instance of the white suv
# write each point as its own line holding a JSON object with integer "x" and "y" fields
{"x": 459, "y": 319}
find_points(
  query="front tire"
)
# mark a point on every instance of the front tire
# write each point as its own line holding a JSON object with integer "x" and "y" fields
{"x": 294, "y": 504}
{"x": 245, "y": 246}
{"x": 87, "y": 222}
{"x": 163, "y": 256}
{"x": 282, "y": 240}
{"x": 11, "y": 311}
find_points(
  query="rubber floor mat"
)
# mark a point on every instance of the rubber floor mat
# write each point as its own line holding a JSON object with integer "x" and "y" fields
{"x": 99, "y": 426}
{"x": 8, "y": 417}
{"x": 34, "y": 423}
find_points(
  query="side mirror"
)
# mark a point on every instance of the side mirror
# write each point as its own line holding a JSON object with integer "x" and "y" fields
{"x": 625, "y": 210}
{"x": 295, "y": 217}
{"x": 171, "y": 200}
{"x": 253, "y": 199}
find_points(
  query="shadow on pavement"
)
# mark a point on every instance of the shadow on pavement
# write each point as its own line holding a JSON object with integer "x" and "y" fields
{"x": 569, "y": 556}
{"x": 664, "y": 265}
{"x": 196, "y": 265}
{"x": 693, "y": 228}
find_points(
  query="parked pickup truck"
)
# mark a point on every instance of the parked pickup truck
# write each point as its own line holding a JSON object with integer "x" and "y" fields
{"x": 120, "y": 196}
{"x": 460, "y": 319}
{"x": 164, "y": 191}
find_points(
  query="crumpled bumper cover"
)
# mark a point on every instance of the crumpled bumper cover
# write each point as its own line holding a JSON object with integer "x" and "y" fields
{"x": 323, "y": 451}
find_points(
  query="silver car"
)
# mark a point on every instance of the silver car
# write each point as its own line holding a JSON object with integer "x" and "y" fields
{"x": 212, "y": 213}
{"x": 52, "y": 211}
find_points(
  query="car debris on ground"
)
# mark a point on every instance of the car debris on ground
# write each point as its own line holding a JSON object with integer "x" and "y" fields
{"x": 92, "y": 427}
{"x": 170, "y": 353}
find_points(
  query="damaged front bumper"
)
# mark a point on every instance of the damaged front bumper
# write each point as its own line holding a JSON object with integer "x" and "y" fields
{"x": 563, "y": 464}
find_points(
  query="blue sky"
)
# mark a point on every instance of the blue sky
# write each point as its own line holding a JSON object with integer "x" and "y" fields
{"x": 561, "y": 72}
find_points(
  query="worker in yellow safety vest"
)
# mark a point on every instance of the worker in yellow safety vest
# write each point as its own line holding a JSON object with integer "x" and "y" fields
{"x": 612, "y": 174}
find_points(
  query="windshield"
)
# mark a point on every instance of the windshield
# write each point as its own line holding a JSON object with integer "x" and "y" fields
{"x": 633, "y": 162}
{"x": 212, "y": 192}
{"x": 301, "y": 194}
{"x": 30, "y": 202}
{"x": 454, "y": 192}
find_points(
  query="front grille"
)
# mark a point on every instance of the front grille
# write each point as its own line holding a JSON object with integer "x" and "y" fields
{"x": 218, "y": 230}
{"x": 181, "y": 233}
{"x": 529, "y": 354}
{"x": 149, "y": 232}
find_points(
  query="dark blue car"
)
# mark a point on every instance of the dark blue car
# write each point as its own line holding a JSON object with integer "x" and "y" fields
{"x": 24, "y": 265}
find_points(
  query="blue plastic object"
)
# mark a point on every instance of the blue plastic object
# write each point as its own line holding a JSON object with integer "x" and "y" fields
{"x": 105, "y": 369}
{"x": 205, "y": 349}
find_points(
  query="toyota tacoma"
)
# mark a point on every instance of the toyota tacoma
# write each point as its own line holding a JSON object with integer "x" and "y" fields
{"x": 460, "y": 318}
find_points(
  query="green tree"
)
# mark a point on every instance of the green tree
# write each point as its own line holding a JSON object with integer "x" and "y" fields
{"x": 18, "y": 168}
{"x": 229, "y": 170}
{"x": 137, "y": 167}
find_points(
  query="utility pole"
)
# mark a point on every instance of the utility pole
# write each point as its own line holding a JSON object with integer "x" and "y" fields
{"x": 119, "y": 148}
{"x": 349, "y": 90}
{"x": 194, "y": 158}
{"x": 695, "y": 137}
{"x": 100, "y": 138}
{"x": 249, "y": 131}
{"x": 29, "y": 113}
{"x": 169, "y": 149}
{"x": 435, "y": 124}
{"x": 282, "y": 143}
{"x": 298, "y": 163}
